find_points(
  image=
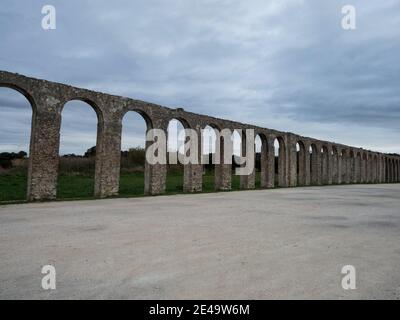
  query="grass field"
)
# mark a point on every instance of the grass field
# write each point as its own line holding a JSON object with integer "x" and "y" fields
{"x": 13, "y": 185}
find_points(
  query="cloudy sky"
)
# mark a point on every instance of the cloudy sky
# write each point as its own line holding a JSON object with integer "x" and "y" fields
{"x": 284, "y": 64}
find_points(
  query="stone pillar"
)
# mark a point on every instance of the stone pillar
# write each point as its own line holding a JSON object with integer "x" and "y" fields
{"x": 368, "y": 169}
{"x": 380, "y": 169}
{"x": 349, "y": 168}
{"x": 248, "y": 181}
{"x": 302, "y": 159}
{"x": 386, "y": 161}
{"x": 354, "y": 168}
{"x": 223, "y": 170}
{"x": 363, "y": 170}
{"x": 44, "y": 148}
{"x": 270, "y": 163}
{"x": 344, "y": 166}
{"x": 307, "y": 165}
{"x": 325, "y": 158}
{"x": 193, "y": 172}
{"x": 292, "y": 159}
{"x": 108, "y": 155}
{"x": 283, "y": 165}
{"x": 335, "y": 168}
{"x": 391, "y": 170}
{"x": 264, "y": 164}
{"x": 155, "y": 175}
{"x": 330, "y": 166}
{"x": 339, "y": 168}
{"x": 316, "y": 166}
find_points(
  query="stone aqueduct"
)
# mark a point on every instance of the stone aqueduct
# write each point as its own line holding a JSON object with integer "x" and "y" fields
{"x": 319, "y": 162}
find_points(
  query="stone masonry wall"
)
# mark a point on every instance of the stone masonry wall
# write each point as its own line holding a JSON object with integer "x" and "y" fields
{"x": 319, "y": 162}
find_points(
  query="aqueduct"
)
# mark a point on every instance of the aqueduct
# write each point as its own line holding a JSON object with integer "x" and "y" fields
{"x": 302, "y": 160}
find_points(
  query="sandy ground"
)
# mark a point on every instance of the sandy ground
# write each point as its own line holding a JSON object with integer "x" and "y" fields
{"x": 272, "y": 244}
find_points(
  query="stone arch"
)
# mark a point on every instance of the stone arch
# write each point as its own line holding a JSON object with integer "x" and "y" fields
{"x": 93, "y": 160}
{"x": 22, "y": 188}
{"x": 134, "y": 175}
{"x": 90, "y": 102}
{"x": 280, "y": 165}
{"x": 22, "y": 91}
{"x": 209, "y": 136}
{"x": 146, "y": 117}
{"x": 223, "y": 166}
{"x": 176, "y": 138}
{"x": 301, "y": 163}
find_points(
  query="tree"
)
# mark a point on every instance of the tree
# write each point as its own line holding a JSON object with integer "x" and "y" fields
{"x": 91, "y": 152}
{"x": 136, "y": 156}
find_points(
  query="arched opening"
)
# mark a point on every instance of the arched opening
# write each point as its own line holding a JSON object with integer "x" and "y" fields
{"x": 315, "y": 169}
{"x": 133, "y": 153}
{"x": 176, "y": 149}
{"x": 78, "y": 144}
{"x": 15, "y": 122}
{"x": 237, "y": 152}
{"x": 301, "y": 169}
{"x": 325, "y": 165}
{"x": 280, "y": 162}
{"x": 209, "y": 140}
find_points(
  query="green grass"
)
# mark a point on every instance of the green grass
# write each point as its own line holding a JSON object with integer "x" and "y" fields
{"x": 81, "y": 186}
{"x": 13, "y": 185}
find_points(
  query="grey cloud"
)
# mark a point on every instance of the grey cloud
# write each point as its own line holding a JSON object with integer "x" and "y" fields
{"x": 281, "y": 64}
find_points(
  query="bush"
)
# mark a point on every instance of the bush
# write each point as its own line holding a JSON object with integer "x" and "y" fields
{"x": 77, "y": 166}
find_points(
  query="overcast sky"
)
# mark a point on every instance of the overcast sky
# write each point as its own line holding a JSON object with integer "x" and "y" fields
{"x": 285, "y": 65}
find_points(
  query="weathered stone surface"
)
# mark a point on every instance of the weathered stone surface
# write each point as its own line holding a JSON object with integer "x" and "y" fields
{"x": 316, "y": 162}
